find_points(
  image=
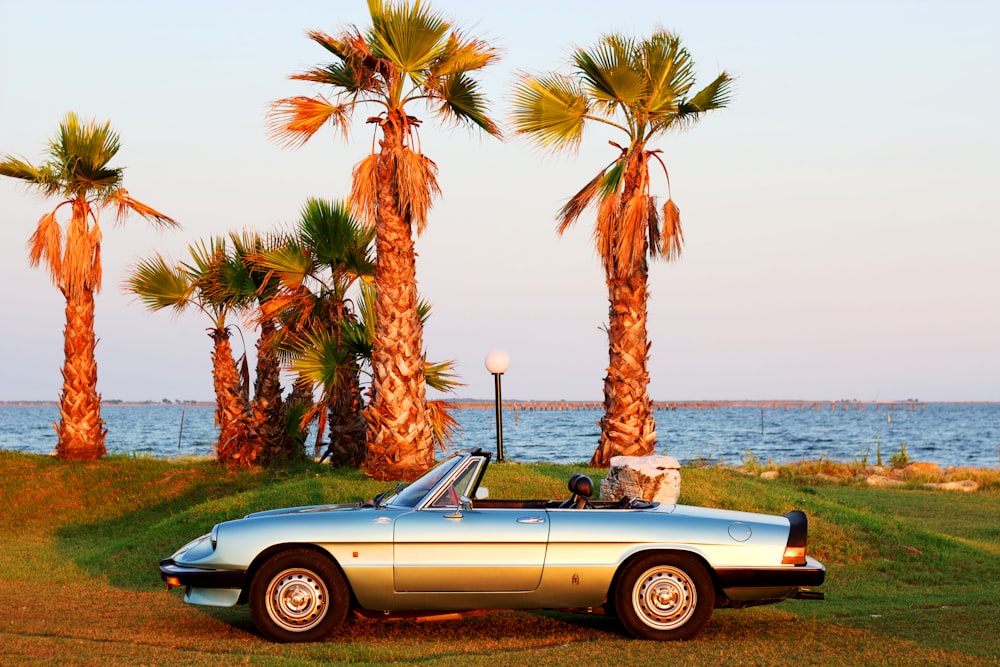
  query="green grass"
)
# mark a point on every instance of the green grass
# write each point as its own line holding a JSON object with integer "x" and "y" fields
{"x": 913, "y": 574}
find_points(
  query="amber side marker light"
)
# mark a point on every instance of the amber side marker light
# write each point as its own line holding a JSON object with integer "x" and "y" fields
{"x": 794, "y": 556}
{"x": 173, "y": 582}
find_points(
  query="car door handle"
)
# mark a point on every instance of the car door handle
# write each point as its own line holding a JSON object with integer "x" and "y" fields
{"x": 530, "y": 519}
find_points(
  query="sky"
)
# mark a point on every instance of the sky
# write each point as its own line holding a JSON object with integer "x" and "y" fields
{"x": 842, "y": 239}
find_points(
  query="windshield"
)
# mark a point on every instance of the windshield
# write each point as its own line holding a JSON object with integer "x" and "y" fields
{"x": 414, "y": 493}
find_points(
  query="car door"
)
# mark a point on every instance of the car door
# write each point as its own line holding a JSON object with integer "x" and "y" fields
{"x": 469, "y": 550}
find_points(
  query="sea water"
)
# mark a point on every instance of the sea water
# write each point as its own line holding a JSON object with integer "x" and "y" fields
{"x": 950, "y": 434}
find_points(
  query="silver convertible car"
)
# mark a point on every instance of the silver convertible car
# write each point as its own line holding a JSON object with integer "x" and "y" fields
{"x": 440, "y": 545}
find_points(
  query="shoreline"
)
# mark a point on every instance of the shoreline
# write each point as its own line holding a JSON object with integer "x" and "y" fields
{"x": 539, "y": 404}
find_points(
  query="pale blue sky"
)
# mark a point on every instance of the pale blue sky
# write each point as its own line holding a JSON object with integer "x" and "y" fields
{"x": 840, "y": 217}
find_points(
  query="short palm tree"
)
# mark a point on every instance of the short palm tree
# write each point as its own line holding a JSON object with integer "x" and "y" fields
{"x": 316, "y": 265}
{"x": 77, "y": 171}
{"x": 252, "y": 287}
{"x": 641, "y": 89}
{"x": 408, "y": 54}
{"x": 159, "y": 283}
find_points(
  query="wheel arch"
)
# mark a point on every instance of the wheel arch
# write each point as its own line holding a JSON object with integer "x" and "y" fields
{"x": 274, "y": 549}
{"x": 642, "y": 553}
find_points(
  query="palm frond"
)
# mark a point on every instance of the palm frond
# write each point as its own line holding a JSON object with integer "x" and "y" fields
{"x": 653, "y": 228}
{"x": 443, "y": 423}
{"x": 319, "y": 357}
{"x": 715, "y": 95}
{"x": 462, "y": 56}
{"x": 461, "y": 100}
{"x": 291, "y": 263}
{"x": 612, "y": 73}
{"x": 21, "y": 169}
{"x": 442, "y": 376}
{"x": 669, "y": 72}
{"x": 611, "y": 182}
{"x": 417, "y": 186}
{"x": 159, "y": 284}
{"x": 364, "y": 189}
{"x": 631, "y": 236}
{"x": 550, "y": 110}
{"x": 578, "y": 203}
{"x": 409, "y": 35}
{"x": 83, "y": 150}
{"x": 81, "y": 248}
{"x": 294, "y": 120}
{"x": 124, "y": 204}
{"x": 673, "y": 234}
{"x": 357, "y": 72}
{"x": 45, "y": 245}
{"x": 333, "y": 234}
{"x": 605, "y": 228}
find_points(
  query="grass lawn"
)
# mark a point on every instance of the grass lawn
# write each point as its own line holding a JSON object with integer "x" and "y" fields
{"x": 913, "y": 575}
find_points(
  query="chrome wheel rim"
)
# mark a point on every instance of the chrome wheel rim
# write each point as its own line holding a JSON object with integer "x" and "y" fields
{"x": 664, "y": 597}
{"x": 297, "y": 600}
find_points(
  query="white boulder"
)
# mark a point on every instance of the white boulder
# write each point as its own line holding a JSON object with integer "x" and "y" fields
{"x": 649, "y": 478}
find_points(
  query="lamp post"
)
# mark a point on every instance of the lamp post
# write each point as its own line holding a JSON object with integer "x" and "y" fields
{"x": 497, "y": 363}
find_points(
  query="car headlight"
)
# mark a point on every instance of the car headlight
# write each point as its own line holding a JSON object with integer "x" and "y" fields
{"x": 179, "y": 554}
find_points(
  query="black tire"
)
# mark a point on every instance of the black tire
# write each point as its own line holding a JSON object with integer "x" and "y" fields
{"x": 298, "y": 596}
{"x": 667, "y": 597}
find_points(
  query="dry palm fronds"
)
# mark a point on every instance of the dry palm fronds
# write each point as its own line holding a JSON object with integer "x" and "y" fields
{"x": 46, "y": 245}
{"x": 364, "y": 189}
{"x": 416, "y": 180}
{"x": 572, "y": 210}
{"x": 125, "y": 203}
{"x": 673, "y": 235}
{"x": 630, "y": 241}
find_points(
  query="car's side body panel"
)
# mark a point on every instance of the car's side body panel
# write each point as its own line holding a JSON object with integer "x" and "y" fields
{"x": 437, "y": 550}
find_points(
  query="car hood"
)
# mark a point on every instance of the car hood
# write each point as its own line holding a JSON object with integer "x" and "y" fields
{"x": 306, "y": 509}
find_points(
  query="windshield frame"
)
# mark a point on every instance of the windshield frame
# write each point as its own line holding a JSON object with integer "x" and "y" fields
{"x": 414, "y": 492}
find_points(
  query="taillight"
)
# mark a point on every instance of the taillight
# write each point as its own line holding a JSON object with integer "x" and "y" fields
{"x": 798, "y": 530}
{"x": 794, "y": 556}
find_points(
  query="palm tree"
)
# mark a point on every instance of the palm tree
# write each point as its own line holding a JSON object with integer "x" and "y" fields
{"x": 316, "y": 266}
{"x": 327, "y": 326}
{"x": 641, "y": 89}
{"x": 254, "y": 287}
{"x": 77, "y": 171}
{"x": 408, "y": 54}
{"x": 159, "y": 284}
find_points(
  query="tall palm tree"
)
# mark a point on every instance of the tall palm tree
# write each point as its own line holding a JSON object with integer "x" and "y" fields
{"x": 77, "y": 171}
{"x": 641, "y": 89}
{"x": 408, "y": 54}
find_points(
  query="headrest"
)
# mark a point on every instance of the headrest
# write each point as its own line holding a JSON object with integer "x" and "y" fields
{"x": 581, "y": 485}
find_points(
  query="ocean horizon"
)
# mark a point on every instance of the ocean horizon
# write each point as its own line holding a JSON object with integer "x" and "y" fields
{"x": 960, "y": 434}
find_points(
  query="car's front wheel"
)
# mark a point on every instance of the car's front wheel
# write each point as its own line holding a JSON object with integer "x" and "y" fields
{"x": 664, "y": 596}
{"x": 298, "y": 596}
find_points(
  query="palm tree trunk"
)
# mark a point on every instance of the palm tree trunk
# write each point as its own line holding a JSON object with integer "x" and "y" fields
{"x": 231, "y": 409}
{"x": 627, "y": 427}
{"x": 80, "y": 431}
{"x": 268, "y": 408}
{"x": 399, "y": 442}
{"x": 344, "y": 421}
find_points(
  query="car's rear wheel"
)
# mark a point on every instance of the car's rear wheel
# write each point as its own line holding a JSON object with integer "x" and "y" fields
{"x": 664, "y": 596}
{"x": 298, "y": 596}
